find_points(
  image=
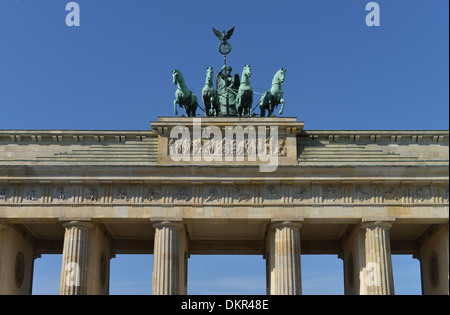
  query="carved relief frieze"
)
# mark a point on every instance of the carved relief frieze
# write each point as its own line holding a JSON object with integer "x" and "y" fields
{"x": 182, "y": 193}
{"x": 5, "y": 193}
{"x": 272, "y": 194}
{"x": 393, "y": 194}
{"x": 225, "y": 193}
{"x": 32, "y": 194}
{"x": 301, "y": 194}
{"x": 91, "y": 194}
{"x": 245, "y": 148}
{"x": 153, "y": 194}
{"x": 332, "y": 193}
{"x": 211, "y": 194}
{"x": 362, "y": 193}
{"x": 61, "y": 194}
{"x": 242, "y": 194}
{"x": 122, "y": 194}
{"x": 421, "y": 194}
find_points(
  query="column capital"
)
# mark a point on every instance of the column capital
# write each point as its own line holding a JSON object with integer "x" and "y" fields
{"x": 376, "y": 223}
{"x": 286, "y": 223}
{"x": 178, "y": 224}
{"x": 77, "y": 223}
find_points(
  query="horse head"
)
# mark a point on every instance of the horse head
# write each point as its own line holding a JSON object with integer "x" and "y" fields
{"x": 247, "y": 72}
{"x": 175, "y": 76}
{"x": 209, "y": 75}
{"x": 279, "y": 77}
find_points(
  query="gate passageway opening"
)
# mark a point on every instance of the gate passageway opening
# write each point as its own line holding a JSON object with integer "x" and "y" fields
{"x": 226, "y": 275}
{"x": 406, "y": 275}
{"x": 131, "y": 274}
{"x": 47, "y": 274}
{"x": 322, "y": 275}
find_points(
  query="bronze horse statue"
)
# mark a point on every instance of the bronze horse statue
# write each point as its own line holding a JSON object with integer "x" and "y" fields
{"x": 273, "y": 97}
{"x": 244, "y": 98}
{"x": 183, "y": 96}
{"x": 210, "y": 97}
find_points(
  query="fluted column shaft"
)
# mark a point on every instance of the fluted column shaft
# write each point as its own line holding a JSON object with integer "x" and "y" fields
{"x": 284, "y": 259}
{"x": 166, "y": 258}
{"x": 378, "y": 274}
{"x": 75, "y": 258}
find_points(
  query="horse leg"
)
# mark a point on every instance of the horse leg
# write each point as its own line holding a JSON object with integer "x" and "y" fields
{"x": 270, "y": 109}
{"x": 245, "y": 110}
{"x": 208, "y": 109}
{"x": 205, "y": 102}
{"x": 282, "y": 106}
{"x": 216, "y": 108}
{"x": 250, "y": 104}
{"x": 212, "y": 106}
{"x": 263, "y": 109}
{"x": 238, "y": 105}
{"x": 175, "y": 107}
{"x": 188, "y": 109}
{"x": 264, "y": 102}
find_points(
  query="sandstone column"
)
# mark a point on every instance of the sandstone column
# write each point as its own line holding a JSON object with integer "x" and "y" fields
{"x": 169, "y": 258}
{"x": 75, "y": 258}
{"x": 378, "y": 274}
{"x": 367, "y": 260}
{"x": 284, "y": 269}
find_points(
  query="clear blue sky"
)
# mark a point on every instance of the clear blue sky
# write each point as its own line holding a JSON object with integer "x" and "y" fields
{"x": 114, "y": 72}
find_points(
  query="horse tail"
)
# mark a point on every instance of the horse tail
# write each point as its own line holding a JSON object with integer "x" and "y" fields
{"x": 263, "y": 99}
